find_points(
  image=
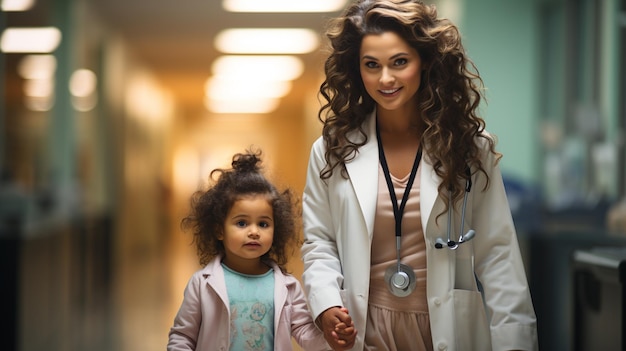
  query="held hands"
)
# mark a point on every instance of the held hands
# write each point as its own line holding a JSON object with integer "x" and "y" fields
{"x": 338, "y": 328}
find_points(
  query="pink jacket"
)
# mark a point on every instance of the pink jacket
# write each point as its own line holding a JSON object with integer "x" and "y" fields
{"x": 203, "y": 320}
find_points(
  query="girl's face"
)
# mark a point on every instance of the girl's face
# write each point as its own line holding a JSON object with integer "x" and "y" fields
{"x": 248, "y": 233}
{"x": 391, "y": 71}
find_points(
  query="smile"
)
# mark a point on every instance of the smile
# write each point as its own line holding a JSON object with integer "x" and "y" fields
{"x": 389, "y": 91}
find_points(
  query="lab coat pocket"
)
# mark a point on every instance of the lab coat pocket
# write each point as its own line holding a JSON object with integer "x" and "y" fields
{"x": 471, "y": 325}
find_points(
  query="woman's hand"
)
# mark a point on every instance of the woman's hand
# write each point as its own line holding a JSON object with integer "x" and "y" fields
{"x": 338, "y": 328}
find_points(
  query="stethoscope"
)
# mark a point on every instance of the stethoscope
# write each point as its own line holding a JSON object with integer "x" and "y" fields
{"x": 463, "y": 238}
{"x": 400, "y": 278}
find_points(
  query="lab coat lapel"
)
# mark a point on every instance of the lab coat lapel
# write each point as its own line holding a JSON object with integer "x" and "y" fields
{"x": 363, "y": 172}
{"x": 429, "y": 181}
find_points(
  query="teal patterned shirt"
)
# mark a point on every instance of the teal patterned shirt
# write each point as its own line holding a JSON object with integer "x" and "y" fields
{"x": 251, "y": 310}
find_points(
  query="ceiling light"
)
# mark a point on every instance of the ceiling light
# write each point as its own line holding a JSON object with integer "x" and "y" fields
{"x": 17, "y": 5}
{"x": 39, "y": 87}
{"x": 283, "y": 5}
{"x": 84, "y": 103}
{"x": 258, "y": 67}
{"x": 83, "y": 83}
{"x": 30, "y": 40}
{"x": 241, "y": 106}
{"x": 224, "y": 88}
{"x": 35, "y": 103}
{"x": 267, "y": 41}
{"x": 37, "y": 66}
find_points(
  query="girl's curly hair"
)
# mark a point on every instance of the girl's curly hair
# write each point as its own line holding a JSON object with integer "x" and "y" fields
{"x": 209, "y": 209}
{"x": 449, "y": 93}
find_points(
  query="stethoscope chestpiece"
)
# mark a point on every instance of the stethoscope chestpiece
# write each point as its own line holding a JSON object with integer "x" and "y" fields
{"x": 400, "y": 280}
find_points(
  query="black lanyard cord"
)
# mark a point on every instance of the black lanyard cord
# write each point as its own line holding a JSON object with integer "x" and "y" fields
{"x": 397, "y": 211}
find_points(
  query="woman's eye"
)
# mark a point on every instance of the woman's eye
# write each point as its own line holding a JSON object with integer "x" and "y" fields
{"x": 371, "y": 64}
{"x": 400, "y": 62}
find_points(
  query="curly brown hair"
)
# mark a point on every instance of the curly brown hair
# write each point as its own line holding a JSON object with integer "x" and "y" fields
{"x": 209, "y": 208}
{"x": 449, "y": 93}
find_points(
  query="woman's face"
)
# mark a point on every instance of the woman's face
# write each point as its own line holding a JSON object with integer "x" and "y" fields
{"x": 391, "y": 70}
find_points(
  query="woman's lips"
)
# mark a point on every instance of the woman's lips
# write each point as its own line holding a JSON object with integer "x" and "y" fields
{"x": 389, "y": 91}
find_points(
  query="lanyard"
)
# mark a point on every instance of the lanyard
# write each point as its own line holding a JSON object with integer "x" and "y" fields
{"x": 397, "y": 211}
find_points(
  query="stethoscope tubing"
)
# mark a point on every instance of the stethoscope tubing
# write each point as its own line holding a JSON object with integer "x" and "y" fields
{"x": 451, "y": 244}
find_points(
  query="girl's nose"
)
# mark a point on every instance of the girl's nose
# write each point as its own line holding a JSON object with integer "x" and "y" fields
{"x": 254, "y": 231}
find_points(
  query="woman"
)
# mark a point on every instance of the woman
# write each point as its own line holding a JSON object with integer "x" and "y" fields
{"x": 405, "y": 213}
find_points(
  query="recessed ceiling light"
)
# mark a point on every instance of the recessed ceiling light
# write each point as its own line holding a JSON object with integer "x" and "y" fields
{"x": 17, "y": 5}
{"x": 35, "y": 103}
{"x": 283, "y": 5}
{"x": 30, "y": 40}
{"x": 39, "y": 87}
{"x": 267, "y": 41}
{"x": 246, "y": 106}
{"x": 37, "y": 66}
{"x": 83, "y": 82}
{"x": 281, "y": 67}
{"x": 224, "y": 88}
{"x": 84, "y": 103}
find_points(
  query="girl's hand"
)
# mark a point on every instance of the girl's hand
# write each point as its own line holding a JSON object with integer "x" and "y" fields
{"x": 338, "y": 328}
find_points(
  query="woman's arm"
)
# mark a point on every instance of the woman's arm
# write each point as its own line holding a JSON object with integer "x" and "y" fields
{"x": 499, "y": 265}
{"x": 322, "y": 275}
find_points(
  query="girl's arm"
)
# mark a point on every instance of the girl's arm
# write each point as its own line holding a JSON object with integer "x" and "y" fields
{"x": 303, "y": 329}
{"x": 184, "y": 334}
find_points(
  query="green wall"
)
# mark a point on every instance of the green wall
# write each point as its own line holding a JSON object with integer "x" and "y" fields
{"x": 500, "y": 37}
{"x": 541, "y": 60}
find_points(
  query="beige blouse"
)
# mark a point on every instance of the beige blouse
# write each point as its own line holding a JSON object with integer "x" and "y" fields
{"x": 397, "y": 323}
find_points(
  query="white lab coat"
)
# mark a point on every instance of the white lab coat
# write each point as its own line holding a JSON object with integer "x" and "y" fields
{"x": 338, "y": 223}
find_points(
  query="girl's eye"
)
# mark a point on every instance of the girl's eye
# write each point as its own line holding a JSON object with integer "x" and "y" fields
{"x": 240, "y": 223}
{"x": 264, "y": 225}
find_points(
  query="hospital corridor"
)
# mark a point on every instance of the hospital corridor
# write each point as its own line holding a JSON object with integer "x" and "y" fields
{"x": 114, "y": 112}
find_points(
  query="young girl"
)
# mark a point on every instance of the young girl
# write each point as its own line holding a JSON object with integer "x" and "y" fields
{"x": 243, "y": 299}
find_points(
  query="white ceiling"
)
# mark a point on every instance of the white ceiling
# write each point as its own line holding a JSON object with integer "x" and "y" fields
{"x": 173, "y": 38}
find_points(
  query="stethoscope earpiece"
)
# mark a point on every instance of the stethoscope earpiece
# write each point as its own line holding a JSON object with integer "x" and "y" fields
{"x": 439, "y": 243}
{"x": 468, "y": 236}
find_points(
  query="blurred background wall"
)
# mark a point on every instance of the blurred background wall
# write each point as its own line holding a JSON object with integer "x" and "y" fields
{"x": 105, "y": 139}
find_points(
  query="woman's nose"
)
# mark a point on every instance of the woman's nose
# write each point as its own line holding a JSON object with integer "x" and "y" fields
{"x": 387, "y": 76}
